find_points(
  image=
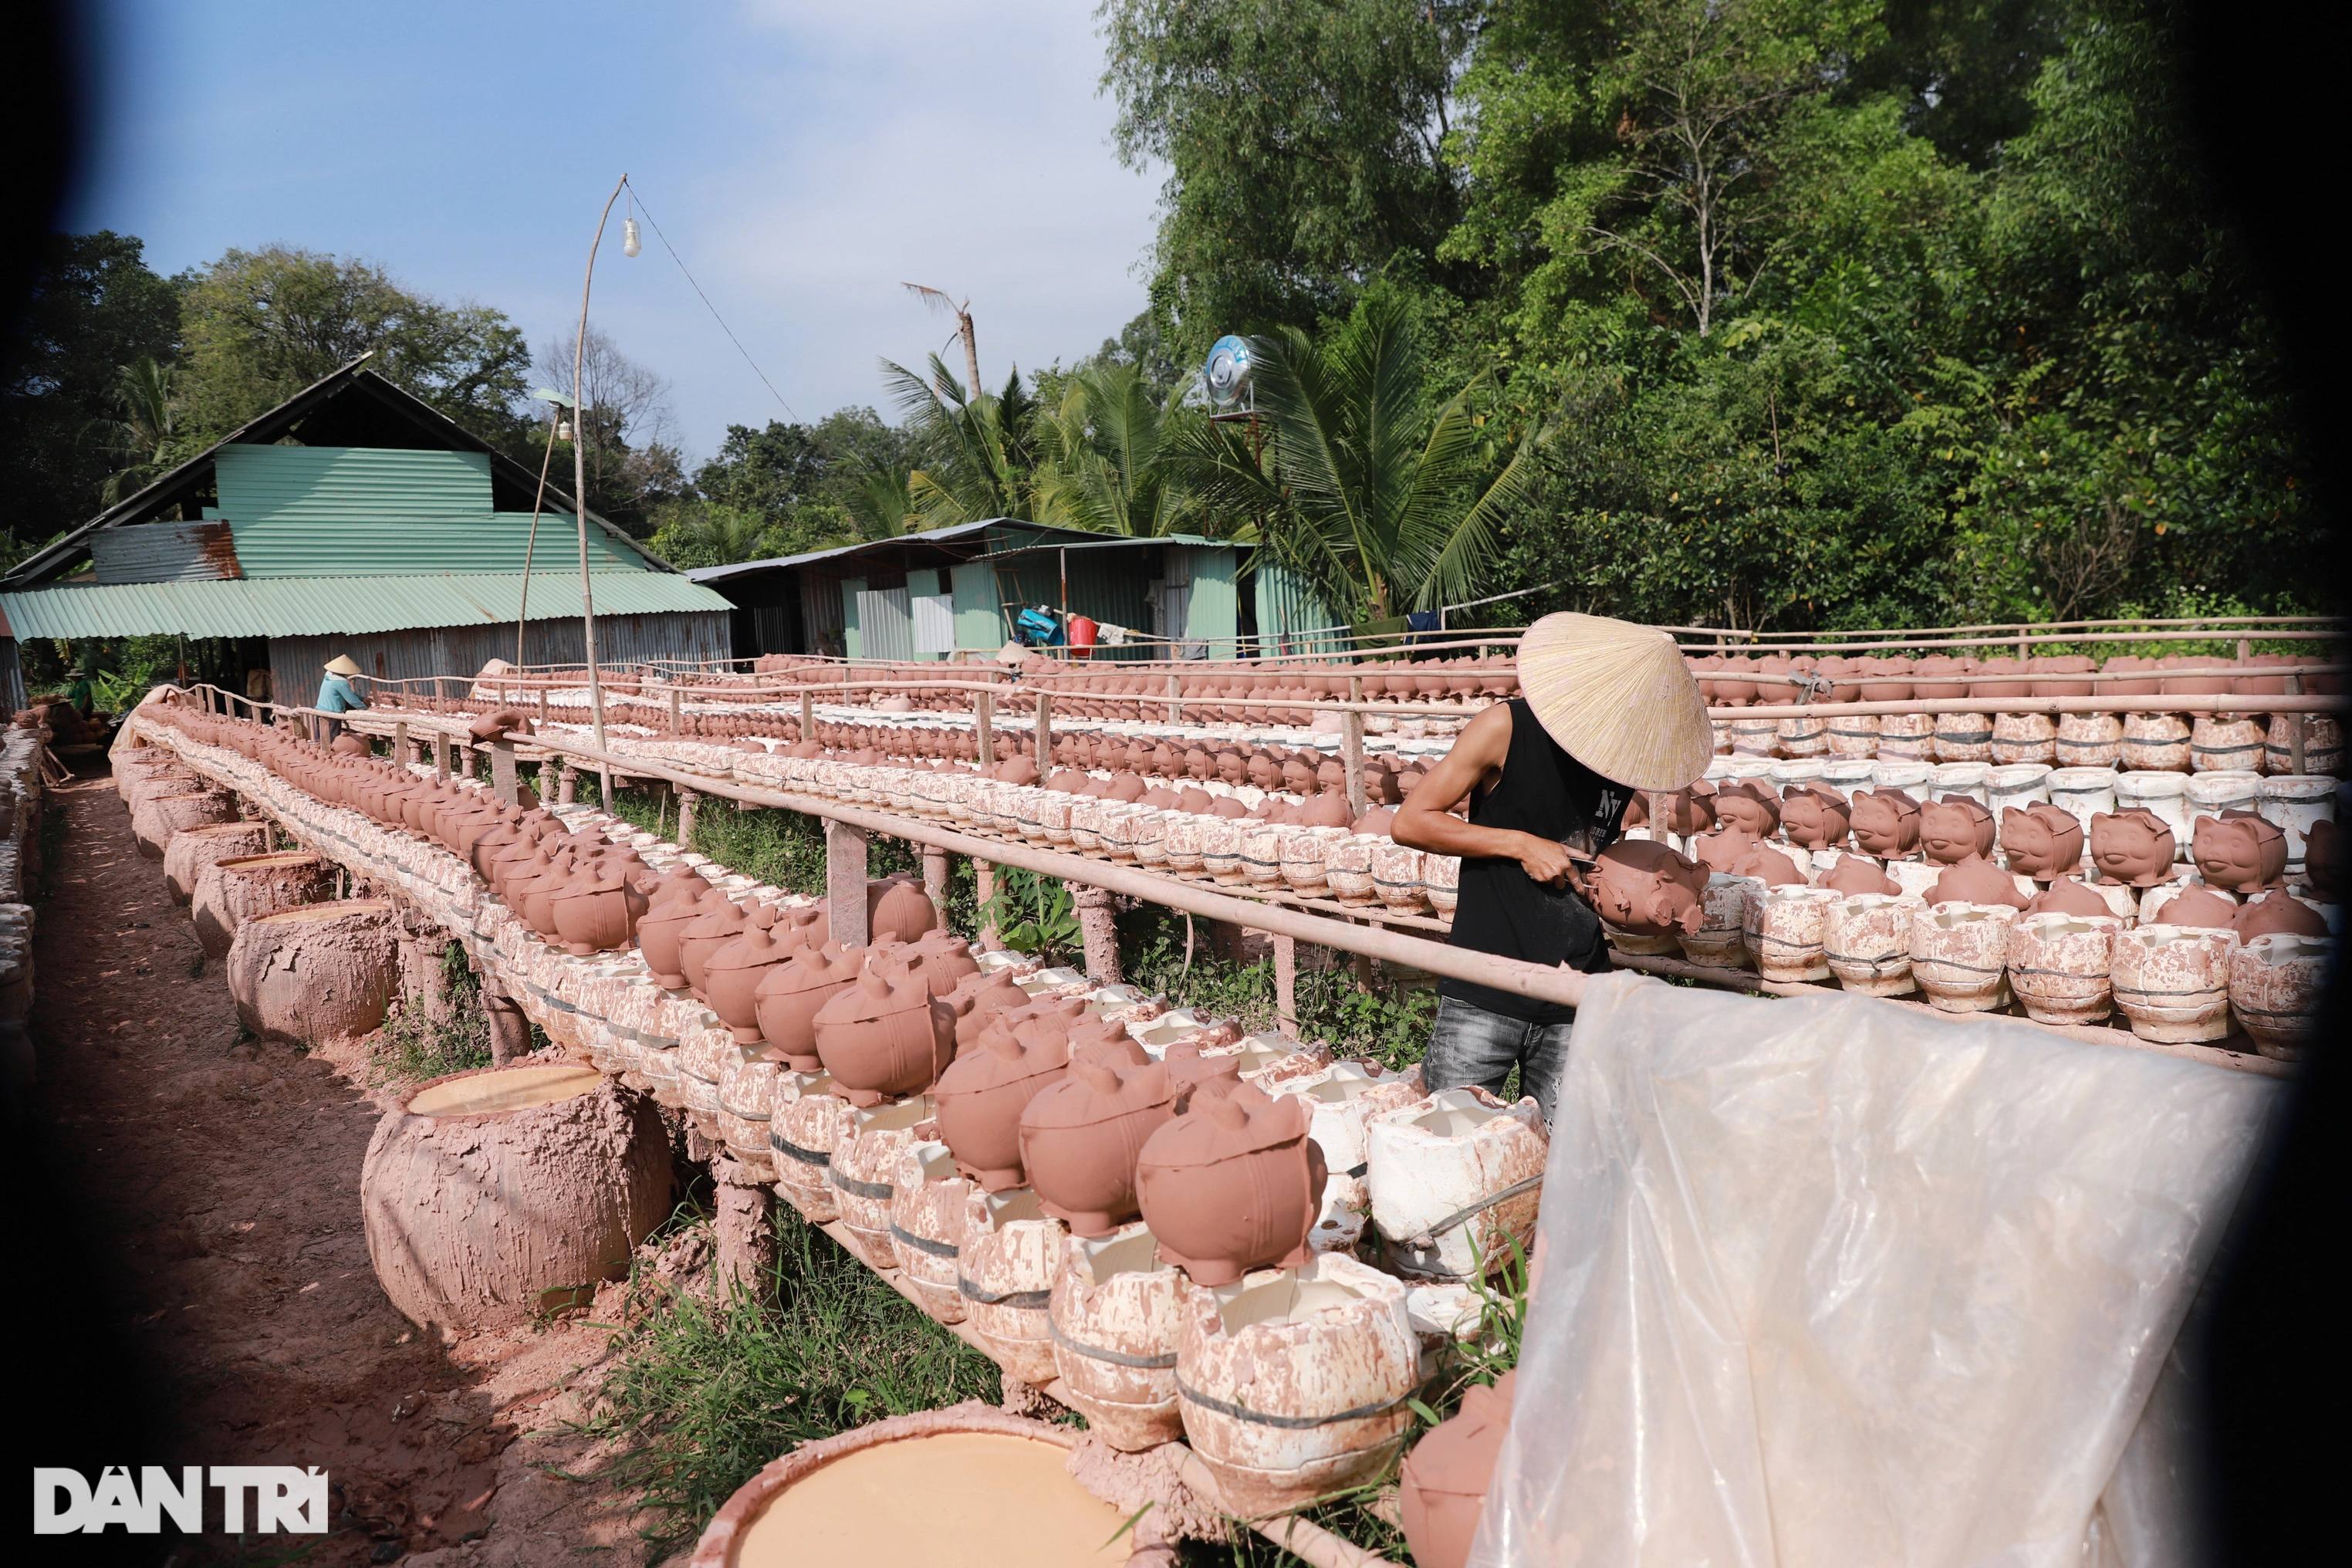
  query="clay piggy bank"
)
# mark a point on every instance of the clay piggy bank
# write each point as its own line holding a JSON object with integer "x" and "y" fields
{"x": 1443, "y": 1490}
{"x": 2238, "y": 851}
{"x": 2274, "y": 912}
{"x": 1080, "y": 1140}
{"x": 983, "y": 1091}
{"x": 1975, "y": 880}
{"x": 2323, "y": 860}
{"x": 1886, "y": 823}
{"x": 1770, "y": 867}
{"x": 1724, "y": 848}
{"x": 2199, "y": 908}
{"x": 1749, "y": 806}
{"x": 1952, "y": 830}
{"x": 1688, "y": 810}
{"x": 2066, "y": 896}
{"x": 1815, "y": 818}
{"x": 2044, "y": 842}
{"x": 2133, "y": 847}
{"x": 880, "y": 1035}
{"x": 1231, "y": 1183}
{"x": 1643, "y": 887}
{"x": 1856, "y": 874}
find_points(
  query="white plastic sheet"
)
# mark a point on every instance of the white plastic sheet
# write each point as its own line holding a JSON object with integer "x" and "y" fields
{"x": 1827, "y": 1281}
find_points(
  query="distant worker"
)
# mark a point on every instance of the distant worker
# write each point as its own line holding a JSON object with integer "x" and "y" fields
{"x": 81, "y": 694}
{"x": 336, "y": 692}
{"x": 1608, "y": 707}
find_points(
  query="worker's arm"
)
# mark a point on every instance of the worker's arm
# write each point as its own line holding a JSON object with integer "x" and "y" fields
{"x": 1475, "y": 762}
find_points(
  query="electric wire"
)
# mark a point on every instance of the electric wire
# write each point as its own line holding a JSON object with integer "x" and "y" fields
{"x": 715, "y": 316}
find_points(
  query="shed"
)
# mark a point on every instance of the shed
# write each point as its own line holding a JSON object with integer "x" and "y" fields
{"x": 949, "y": 590}
{"x": 356, "y": 519}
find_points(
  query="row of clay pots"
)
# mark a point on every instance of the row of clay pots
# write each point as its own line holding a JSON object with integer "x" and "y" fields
{"x": 1732, "y": 681}
{"x": 2155, "y": 742}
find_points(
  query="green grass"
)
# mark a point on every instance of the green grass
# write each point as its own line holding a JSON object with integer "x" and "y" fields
{"x": 706, "y": 1394}
{"x": 414, "y": 1048}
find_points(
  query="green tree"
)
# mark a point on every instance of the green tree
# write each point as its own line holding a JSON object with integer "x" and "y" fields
{"x": 707, "y": 533}
{"x": 95, "y": 308}
{"x": 1304, "y": 145}
{"x": 973, "y": 455}
{"x": 1106, "y": 445}
{"x": 260, "y": 325}
{"x": 1385, "y": 503}
{"x": 141, "y": 433}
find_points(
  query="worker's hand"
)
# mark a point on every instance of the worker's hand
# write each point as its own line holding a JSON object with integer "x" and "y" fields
{"x": 1543, "y": 860}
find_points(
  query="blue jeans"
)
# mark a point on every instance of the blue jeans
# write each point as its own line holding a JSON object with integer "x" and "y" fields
{"x": 1471, "y": 1046}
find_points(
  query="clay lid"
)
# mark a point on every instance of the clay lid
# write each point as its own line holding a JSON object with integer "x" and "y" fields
{"x": 1196, "y": 801}
{"x": 1976, "y": 880}
{"x": 1160, "y": 799}
{"x": 1055, "y": 1013}
{"x": 1192, "y": 1068}
{"x": 1097, "y": 1091}
{"x": 757, "y": 948}
{"x": 2067, "y": 895}
{"x": 1125, "y": 786}
{"x": 1767, "y": 864}
{"x": 1069, "y": 781}
{"x": 1207, "y": 1130}
{"x": 724, "y": 920}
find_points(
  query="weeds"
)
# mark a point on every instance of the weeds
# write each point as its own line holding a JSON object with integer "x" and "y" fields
{"x": 1034, "y": 914}
{"x": 707, "y": 1391}
{"x": 414, "y": 1048}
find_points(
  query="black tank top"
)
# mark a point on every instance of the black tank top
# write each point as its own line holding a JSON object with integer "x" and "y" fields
{"x": 1503, "y": 910}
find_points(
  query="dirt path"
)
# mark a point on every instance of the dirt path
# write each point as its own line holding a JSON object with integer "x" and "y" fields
{"x": 217, "y": 1184}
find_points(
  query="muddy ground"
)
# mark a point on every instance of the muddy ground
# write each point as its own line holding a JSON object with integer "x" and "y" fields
{"x": 209, "y": 1188}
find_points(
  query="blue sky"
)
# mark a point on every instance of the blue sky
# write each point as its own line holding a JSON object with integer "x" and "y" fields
{"x": 804, "y": 159}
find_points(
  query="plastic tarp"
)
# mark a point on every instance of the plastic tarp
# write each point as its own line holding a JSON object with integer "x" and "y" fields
{"x": 1830, "y": 1281}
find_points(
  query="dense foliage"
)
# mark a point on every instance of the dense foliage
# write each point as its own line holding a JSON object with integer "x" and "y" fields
{"x": 1834, "y": 313}
{"x": 1758, "y": 314}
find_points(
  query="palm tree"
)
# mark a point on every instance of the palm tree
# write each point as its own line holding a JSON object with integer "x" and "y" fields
{"x": 1103, "y": 464}
{"x": 1353, "y": 480}
{"x": 143, "y": 434}
{"x": 882, "y": 504}
{"x": 973, "y": 449}
{"x": 706, "y": 534}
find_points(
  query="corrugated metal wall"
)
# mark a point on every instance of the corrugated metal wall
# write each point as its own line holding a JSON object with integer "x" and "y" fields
{"x": 379, "y": 544}
{"x": 164, "y": 553}
{"x": 330, "y": 485}
{"x": 295, "y": 663}
{"x": 1287, "y": 605}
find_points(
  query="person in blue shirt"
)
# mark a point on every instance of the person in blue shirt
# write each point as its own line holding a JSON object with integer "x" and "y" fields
{"x": 336, "y": 692}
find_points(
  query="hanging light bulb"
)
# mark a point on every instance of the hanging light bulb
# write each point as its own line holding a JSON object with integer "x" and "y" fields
{"x": 629, "y": 245}
{"x": 563, "y": 429}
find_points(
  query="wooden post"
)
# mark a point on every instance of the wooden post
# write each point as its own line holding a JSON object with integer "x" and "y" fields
{"x": 1355, "y": 688}
{"x": 983, "y": 880}
{"x": 2297, "y": 731}
{"x": 935, "y": 877}
{"x": 844, "y": 882}
{"x": 567, "y": 785}
{"x": 808, "y": 714}
{"x": 400, "y": 742}
{"x": 677, "y": 726}
{"x": 547, "y": 779}
{"x": 503, "y": 769}
{"x": 1100, "y": 931}
{"x": 744, "y": 1229}
{"x": 1351, "y": 758}
{"x": 686, "y": 801}
{"x": 542, "y": 700}
{"x": 1175, "y": 698}
{"x": 440, "y": 756}
{"x": 2245, "y": 650}
{"x": 1285, "y": 983}
{"x": 983, "y": 725}
{"x": 1045, "y": 730}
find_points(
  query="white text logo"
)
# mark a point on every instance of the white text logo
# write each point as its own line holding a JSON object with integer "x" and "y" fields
{"x": 285, "y": 1498}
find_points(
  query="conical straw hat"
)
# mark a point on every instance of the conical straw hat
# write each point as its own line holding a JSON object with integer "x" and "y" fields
{"x": 341, "y": 664}
{"x": 1618, "y": 697}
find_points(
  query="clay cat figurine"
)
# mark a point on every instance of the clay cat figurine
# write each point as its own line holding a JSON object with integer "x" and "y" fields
{"x": 2044, "y": 842}
{"x": 1642, "y": 886}
{"x": 2238, "y": 852}
{"x": 2133, "y": 846}
{"x": 1886, "y": 823}
{"x": 1815, "y": 818}
{"x": 1952, "y": 830}
{"x": 1749, "y": 806}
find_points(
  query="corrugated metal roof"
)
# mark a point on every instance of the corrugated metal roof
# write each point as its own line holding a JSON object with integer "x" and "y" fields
{"x": 164, "y": 553}
{"x": 328, "y": 487}
{"x": 930, "y": 536}
{"x": 322, "y": 606}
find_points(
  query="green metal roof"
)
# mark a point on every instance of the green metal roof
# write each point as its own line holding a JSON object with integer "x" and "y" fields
{"x": 322, "y": 606}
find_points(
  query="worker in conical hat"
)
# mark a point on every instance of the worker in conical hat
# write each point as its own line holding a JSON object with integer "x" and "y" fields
{"x": 1606, "y": 708}
{"x": 336, "y": 692}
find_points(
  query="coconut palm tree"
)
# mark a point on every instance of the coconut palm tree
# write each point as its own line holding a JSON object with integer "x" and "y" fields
{"x": 141, "y": 433}
{"x": 1102, "y": 451}
{"x": 974, "y": 450}
{"x": 1350, "y": 478}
